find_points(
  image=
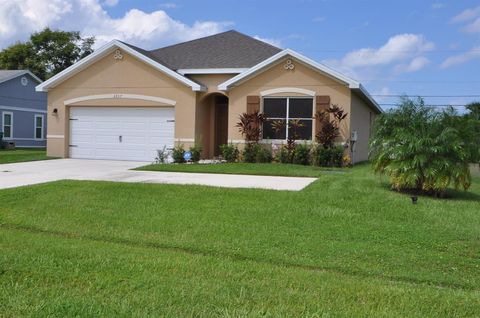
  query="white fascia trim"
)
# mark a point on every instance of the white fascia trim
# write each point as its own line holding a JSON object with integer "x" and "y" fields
{"x": 103, "y": 51}
{"x": 184, "y": 71}
{"x": 21, "y": 109}
{"x": 155, "y": 99}
{"x": 275, "y": 58}
{"x": 21, "y": 74}
{"x": 26, "y": 139}
{"x": 35, "y": 127}
{"x": 11, "y": 125}
{"x": 287, "y": 90}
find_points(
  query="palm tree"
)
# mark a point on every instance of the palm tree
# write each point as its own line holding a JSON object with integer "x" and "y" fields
{"x": 422, "y": 149}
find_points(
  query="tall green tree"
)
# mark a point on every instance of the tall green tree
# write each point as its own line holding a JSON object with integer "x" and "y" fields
{"x": 47, "y": 52}
{"x": 474, "y": 110}
{"x": 422, "y": 149}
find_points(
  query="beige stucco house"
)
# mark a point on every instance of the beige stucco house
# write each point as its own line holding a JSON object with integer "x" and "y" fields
{"x": 123, "y": 102}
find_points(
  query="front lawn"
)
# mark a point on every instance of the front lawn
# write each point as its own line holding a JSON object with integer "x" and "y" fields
{"x": 22, "y": 154}
{"x": 344, "y": 246}
{"x": 265, "y": 169}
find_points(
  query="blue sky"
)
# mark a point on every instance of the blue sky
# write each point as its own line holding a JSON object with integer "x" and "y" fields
{"x": 393, "y": 47}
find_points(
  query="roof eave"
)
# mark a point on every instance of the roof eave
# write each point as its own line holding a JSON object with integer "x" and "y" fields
{"x": 373, "y": 103}
{"x": 275, "y": 58}
{"x": 262, "y": 66}
{"x": 105, "y": 50}
{"x": 21, "y": 73}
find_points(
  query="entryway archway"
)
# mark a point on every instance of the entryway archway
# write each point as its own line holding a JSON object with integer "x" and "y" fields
{"x": 211, "y": 124}
{"x": 220, "y": 123}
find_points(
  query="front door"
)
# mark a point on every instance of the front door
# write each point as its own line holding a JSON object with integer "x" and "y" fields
{"x": 221, "y": 123}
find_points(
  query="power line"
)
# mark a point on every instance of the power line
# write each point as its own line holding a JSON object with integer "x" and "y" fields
{"x": 393, "y": 51}
{"x": 426, "y": 96}
{"x": 428, "y": 105}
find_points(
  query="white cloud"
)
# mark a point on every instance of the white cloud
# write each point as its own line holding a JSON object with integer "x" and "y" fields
{"x": 415, "y": 65}
{"x": 406, "y": 49}
{"x": 271, "y": 41}
{"x": 466, "y": 15}
{"x": 110, "y": 3}
{"x": 438, "y": 5}
{"x": 474, "y": 53}
{"x": 399, "y": 47}
{"x": 150, "y": 30}
{"x": 168, "y": 5}
{"x": 319, "y": 19}
{"x": 473, "y": 27}
{"x": 472, "y": 16}
{"x": 401, "y": 53}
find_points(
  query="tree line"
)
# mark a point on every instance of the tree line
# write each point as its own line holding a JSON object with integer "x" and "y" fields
{"x": 47, "y": 52}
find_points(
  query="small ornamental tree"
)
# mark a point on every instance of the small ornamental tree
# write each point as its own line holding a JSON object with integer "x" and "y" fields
{"x": 422, "y": 149}
{"x": 329, "y": 127}
{"x": 250, "y": 126}
{"x": 294, "y": 126}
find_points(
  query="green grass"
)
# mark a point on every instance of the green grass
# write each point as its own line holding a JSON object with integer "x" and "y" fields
{"x": 265, "y": 169}
{"x": 345, "y": 246}
{"x": 22, "y": 154}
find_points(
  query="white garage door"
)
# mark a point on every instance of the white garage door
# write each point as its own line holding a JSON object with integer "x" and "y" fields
{"x": 120, "y": 133}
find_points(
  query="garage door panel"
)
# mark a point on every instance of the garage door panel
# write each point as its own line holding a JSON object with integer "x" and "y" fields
{"x": 141, "y": 140}
{"x": 76, "y": 124}
{"x": 82, "y": 138}
{"x": 95, "y": 132}
{"x": 134, "y": 126}
{"x": 108, "y": 125}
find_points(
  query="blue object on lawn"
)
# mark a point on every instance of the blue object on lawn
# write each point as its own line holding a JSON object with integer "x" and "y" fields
{"x": 187, "y": 155}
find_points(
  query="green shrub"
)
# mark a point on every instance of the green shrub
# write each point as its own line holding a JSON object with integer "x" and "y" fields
{"x": 229, "y": 152}
{"x": 422, "y": 149}
{"x": 284, "y": 155}
{"x": 328, "y": 157}
{"x": 264, "y": 155}
{"x": 256, "y": 153}
{"x": 162, "y": 155}
{"x": 337, "y": 156}
{"x": 196, "y": 152}
{"x": 321, "y": 156}
{"x": 250, "y": 153}
{"x": 301, "y": 154}
{"x": 177, "y": 154}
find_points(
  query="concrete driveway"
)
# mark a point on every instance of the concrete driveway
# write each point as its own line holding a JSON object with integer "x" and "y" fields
{"x": 34, "y": 172}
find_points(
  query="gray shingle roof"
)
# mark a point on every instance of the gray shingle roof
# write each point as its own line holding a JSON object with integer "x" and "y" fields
{"x": 229, "y": 49}
{"x": 8, "y": 74}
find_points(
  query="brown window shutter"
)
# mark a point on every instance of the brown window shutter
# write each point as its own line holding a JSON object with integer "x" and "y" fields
{"x": 321, "y": 103}
{"x": 253, "y": 104}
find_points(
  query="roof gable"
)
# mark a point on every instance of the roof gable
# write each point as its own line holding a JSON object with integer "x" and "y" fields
{"x": 6, "y": 75}
{"x": 277, "y": 58}
{"x": 108, "y": 49}
{"x": 229, "y": 49}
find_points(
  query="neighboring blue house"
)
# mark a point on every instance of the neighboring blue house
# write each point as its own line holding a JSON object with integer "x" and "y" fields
{"x": 23, "y": 111}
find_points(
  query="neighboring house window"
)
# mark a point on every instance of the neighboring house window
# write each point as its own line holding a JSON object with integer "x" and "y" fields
{"x": 38, "y": 127}
{"x": 285, "y": 109}
{"x": 7, "y": 126}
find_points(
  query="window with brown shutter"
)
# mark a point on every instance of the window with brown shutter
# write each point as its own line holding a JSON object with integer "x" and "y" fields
{"x": 253, "y": 104}
{"x": 321, "y": 103}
